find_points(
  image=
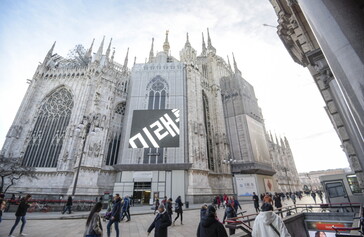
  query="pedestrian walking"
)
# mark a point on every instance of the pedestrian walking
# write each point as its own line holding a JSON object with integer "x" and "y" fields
{"x": 293, "y": 197}
{"x": 256, "y": 202}
{"x": 267, "y": 223}
{"x": 236, "y": 205}
{"x": 115, "y": 216}
{"x": 313, "y": 195}
{"x": 156, "y": 204}
{"x": 93, "y": 223}
{"x": 178, "y": 209}
{"x": 209, "y": 225}
{"x": 169, "y": 208}
{"x": 229, "y": 213}
{"x": 218, "y": 201}
{"x": 20, "y": 215}
{"x": 125, "y": 209}
{"x": 160, "y": 223}
{"x": 320, "y": 196}
{"x": 278, "y": 203}
{"x": 68, "y": 206}
{"x": 164, "y": 201}
{"x": 203, "y": 211}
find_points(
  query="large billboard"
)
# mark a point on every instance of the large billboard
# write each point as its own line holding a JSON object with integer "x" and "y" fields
{"x": 155, "y": 129}
{"x": 245, "y": 185}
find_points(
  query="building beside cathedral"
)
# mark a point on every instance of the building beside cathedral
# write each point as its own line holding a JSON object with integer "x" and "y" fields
{"x": 190, "y": 127}
{"x": 286, "y": 175}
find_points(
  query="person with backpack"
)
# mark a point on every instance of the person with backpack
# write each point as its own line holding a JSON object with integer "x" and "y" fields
{"x": 20, "y": 215}
{"x": 229, "y": 213}
{"x": 169, "y": 207}
{"x": 178, "y": 210}
{"x": 160, "y": 223}
{"x": 267, "y": 223}
{"x": 125, "y": 209}
{"x": 93, "y": 223}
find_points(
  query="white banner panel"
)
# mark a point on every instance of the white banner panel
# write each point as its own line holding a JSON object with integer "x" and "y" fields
{"x": 245, "y": 185}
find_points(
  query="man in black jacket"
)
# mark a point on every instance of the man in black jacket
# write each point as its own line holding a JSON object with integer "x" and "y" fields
{"x": 68, "y": 205}
{"x": 20, "y": 215}
{"x": 160, "y": 223}
{"x": 209, "y": 226}
{"x": 115, "y": 216}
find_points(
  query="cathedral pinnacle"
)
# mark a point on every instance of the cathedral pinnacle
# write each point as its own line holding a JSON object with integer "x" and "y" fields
{"x": 209, "y": 45}
{"x": 108, "y": 49}
{"x": 166, "y": 46}
{"x": 203, "y": 53}
{"x": 229, "y": 63}
{"x": 187, "y": 44}
{"x": 125, "y": 66}
{"x": 134, "y": 61}
{"x": 151, "y": 53}
{"x": 112, "y": 56}
{"x": 99, "y": 51}
{"x": 236, "y": 69}
{"x": 89, "y": 51}
{"x": 50, "y": 53}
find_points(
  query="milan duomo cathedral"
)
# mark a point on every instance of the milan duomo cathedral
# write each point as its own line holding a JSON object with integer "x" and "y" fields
{"x": 75, "y": 121}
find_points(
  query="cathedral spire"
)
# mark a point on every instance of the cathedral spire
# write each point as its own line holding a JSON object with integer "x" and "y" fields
{"x": 151, "y": 53}
{"x": 125, "y": 66}
{"x": 134, "y": 61}
{"x": 236, "y": 69}
{"x": 89, "y": 51}
{"x": 203, "y": 53}
{"x": 209, "y": 45}
{"x": 166, "y": 46}
{"x": 112, "y": 56}
{"x": 187, "y": 44}
{"x": 99, "y": 51}
{"x": 229, "y": 63}
{"x": 50, "y": 53}
{"x": 108, "y": 49}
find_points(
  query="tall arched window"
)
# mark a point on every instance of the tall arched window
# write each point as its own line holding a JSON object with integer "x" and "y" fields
{"x": 207, "y": 121}
{"x": 48, "y": 133}
{"x": 115, "y": 135}
{"x": 157, "y": 93}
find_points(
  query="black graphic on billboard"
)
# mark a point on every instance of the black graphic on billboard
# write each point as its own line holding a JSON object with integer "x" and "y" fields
{"x": 154, "y": 129}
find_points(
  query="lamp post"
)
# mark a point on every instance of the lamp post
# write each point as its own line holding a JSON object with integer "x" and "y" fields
{"x": 87, "y": 130}
{"x": 230, "y": 161}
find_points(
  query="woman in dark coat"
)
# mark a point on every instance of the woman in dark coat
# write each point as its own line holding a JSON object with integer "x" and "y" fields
{"x": 20, "y": 214}
{"x": 278, "y": 202}
{"x": 160, "y": 223}
{"x": 115, "y": 216}
{"x": 169, "y": 208}
{"x": 209, "y": 226}
{"x": 178, "y": 209}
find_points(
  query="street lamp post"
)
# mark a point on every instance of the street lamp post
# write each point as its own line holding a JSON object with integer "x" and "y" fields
{"x": 230, "y": 161}
{"x": 87, "y": 130}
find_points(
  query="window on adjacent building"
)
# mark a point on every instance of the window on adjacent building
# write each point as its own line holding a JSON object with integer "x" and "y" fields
{"x": 335, "y": 189}
{"x": 353, "y": 183}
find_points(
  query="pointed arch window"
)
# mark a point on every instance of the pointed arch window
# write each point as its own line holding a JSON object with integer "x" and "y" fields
{"x": 48, "y": 133}
{"x": 207, "y": 122}
{"x": 115, "y": 135}
{"x": 157, "y": 93}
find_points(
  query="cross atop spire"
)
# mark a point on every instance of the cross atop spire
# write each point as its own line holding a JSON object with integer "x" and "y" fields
{"x": 108, "y": 49}
{"x": 236, "y": 69}
{"x": 125, "y": 66}
{"x": 151, "y": 53}
{"x": 89, "y": 51}
{"x": 203, "y": 53}
{"x": 99, "y": 51}
{"x": 166, "y": 46}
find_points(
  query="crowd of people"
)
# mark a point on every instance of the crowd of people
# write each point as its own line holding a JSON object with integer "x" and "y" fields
{"x": 266, "y": 223}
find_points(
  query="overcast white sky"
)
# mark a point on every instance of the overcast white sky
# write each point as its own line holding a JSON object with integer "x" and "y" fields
{"x": 291, "y": 103}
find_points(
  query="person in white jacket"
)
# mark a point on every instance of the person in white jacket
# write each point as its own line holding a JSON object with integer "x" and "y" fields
{"x": 267, "y": 223}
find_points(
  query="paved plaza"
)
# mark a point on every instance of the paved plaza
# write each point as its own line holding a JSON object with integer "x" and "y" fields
{"x": 51, "y": 224}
